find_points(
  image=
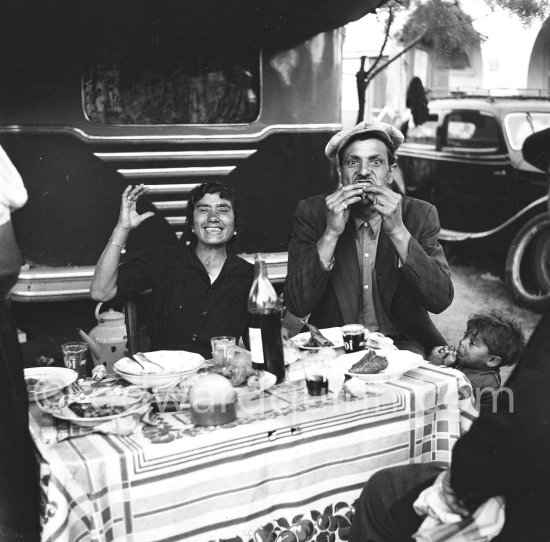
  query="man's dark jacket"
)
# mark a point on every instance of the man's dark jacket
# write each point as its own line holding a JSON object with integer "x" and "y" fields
{"x": 407, "y": 293}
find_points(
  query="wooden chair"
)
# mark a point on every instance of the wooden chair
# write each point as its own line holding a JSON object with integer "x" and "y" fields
{"x": 130, "y": 312}
{"x": 138, "y": 339}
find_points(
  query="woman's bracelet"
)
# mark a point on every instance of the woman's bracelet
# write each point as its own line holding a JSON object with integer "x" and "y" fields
{"x": 122, "y": 247}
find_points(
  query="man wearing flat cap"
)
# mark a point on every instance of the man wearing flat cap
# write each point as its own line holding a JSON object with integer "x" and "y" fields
{"x": 504, "y": 454}
{"x": 365, "y": 254}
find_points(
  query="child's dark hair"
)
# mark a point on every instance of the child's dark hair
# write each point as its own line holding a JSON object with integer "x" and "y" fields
{"x": 503, "y": 336}
{"x": 225, "y": 192}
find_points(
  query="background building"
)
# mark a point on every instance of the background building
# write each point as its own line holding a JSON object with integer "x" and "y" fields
{"x": 512, "y": 56}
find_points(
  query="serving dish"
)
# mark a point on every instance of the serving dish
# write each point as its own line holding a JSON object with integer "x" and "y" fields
{"x": 399, "y": 362}
{"x": 333, "y": 334}
{"x": 130, "y": 402}
{"x": 43, "y": 382}
{"x": 178, "y": 364}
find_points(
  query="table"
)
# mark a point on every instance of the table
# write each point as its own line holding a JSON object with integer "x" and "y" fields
{"x": 290, "y": 464}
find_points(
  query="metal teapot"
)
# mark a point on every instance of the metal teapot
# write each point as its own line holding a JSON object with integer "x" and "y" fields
{"x": 108, "y": 340}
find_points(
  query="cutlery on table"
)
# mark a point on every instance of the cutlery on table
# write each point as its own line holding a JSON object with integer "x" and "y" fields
{"x": 141, "y": 357}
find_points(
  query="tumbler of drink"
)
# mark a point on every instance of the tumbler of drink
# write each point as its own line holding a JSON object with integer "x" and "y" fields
{"x": 75, "y": 357}
{"x": 316, "y": 384}
{"x": 316, "y": 379}
{"x": 223, "y": 350}
{"x": 354, "y": 337}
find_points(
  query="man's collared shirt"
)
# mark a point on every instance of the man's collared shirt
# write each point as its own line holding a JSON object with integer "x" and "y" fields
{"x": 372, "y": 314}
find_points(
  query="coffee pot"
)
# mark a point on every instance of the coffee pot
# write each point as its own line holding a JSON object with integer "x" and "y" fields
{"x": 108, "y": 340}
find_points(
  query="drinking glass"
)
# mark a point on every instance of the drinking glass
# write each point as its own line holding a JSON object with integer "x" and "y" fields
{"x": 354, "y": 337}
{"x": 223, "y": 349}
{"x": 75, "y": 357}
{"x": 316, "y": 379}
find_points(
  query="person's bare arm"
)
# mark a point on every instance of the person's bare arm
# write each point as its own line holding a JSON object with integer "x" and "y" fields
{"x": 103, "y": 286}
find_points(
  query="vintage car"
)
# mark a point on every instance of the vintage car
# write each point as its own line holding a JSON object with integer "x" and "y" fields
{"x": 466, "y": 159}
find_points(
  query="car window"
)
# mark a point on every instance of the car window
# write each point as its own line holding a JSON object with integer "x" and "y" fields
{"x": 471, "y": 129}
{"x": 519, "y": 125}
{"x": 423, "y": 134}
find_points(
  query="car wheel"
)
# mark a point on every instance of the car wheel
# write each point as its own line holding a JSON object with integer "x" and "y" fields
{"x": 541, "y": 260}
{"x": 527, "y": 264}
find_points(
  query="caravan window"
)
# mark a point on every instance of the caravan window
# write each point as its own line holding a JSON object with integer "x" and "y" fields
{"x": 171, "y": 81}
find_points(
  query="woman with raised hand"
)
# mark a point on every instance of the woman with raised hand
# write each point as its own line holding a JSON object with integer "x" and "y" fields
{"x": 199, "y": 289}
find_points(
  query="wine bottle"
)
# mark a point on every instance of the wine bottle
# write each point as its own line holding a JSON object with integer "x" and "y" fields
{"x": 264, "y": 323}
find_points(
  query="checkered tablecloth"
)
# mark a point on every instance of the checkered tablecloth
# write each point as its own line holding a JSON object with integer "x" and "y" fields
{"x": 289, "y": 463}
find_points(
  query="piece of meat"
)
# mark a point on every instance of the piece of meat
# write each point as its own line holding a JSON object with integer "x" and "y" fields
{"x": 369, "y": 364}
{"x": 317, "y": 338}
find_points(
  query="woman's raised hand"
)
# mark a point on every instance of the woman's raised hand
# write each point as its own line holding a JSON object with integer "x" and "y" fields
{"x": 129, "y": 217}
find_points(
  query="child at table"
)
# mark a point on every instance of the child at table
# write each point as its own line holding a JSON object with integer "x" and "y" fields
{"x": 492, "y": 340}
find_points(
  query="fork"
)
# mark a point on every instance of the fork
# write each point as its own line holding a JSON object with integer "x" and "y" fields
{"x": 133, "y": 358}
{"x": 143, "y": 357}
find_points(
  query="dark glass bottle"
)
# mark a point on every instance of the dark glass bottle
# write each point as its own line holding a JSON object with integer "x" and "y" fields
{"x": 264, "y": 323}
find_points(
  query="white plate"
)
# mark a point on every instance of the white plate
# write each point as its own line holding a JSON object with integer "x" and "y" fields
{"x": 172, "y": 361}
{"x": 131, "y": 401}
{"x": 333, "y": 334}
{"x": 399, "y": 362}
{"x": 50, "y": 380}
{"x": 155, "y": 381}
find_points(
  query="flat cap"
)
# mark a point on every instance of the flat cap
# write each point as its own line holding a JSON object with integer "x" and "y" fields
{"x": 536, "y": 149}
{"x": 392, "y": 136}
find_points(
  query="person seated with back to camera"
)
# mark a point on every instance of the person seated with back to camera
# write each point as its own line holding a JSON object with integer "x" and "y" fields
{"x": 199, "y": 289}
{"x": 491, "y": 341}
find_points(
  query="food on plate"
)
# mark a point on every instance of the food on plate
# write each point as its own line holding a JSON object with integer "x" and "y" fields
{"x": 370, "y": 364}
{"x": 320, "y": 356}
{"x": 317, "y": 338}
{"x": 253, "y": 382}
{"x": 238, "y": 368}
{"x": 291, "y": 352}
{"x": 87, "y": 410}
{"x": 32, "y": 384}
{"x": 378, "y": 340}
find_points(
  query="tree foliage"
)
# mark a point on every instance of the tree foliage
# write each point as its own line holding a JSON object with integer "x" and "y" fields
{"x": 447, "y": 28}
{"x": 526, "y": 10}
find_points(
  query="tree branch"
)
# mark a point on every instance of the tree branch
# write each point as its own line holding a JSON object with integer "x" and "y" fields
{"x": 387, "y": 29}
{"x": 372, "y": 74}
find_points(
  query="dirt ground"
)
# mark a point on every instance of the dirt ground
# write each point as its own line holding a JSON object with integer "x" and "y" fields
{"x": 479, "y": 285}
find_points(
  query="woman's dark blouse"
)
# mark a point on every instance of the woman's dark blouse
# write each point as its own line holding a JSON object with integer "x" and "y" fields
{"x": 185, "y": 309}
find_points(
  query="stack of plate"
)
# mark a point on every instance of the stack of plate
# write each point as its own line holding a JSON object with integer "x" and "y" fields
{"x": 167, "y": 367}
